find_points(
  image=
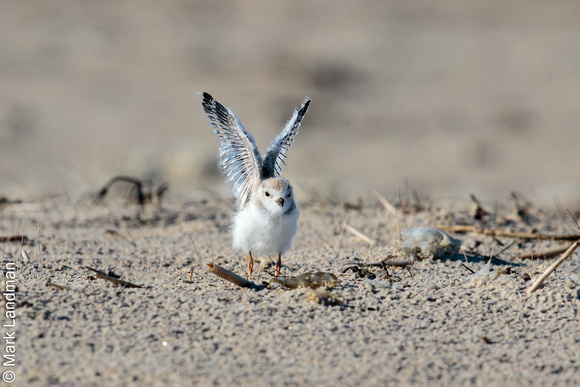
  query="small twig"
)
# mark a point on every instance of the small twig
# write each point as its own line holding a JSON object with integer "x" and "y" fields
{"x": 544, "y": 254}
{"x": 86, "y": 292}
{"x": 573, "y": 218}
{"x": 189, "y": 281}
{"x": 230, "y": 276}
{"x": 60, "y": 287}
{"x": 117, "y": 281}
{"x": 509, "y": 234}
{"x": 467, "y": 267}
{"x": 267, "y": 272}
{"x": 14, "y": 238}
{"x": 115, "y": 233}
{"x": 552, "y": 267}
{"x": 504, "y": 248}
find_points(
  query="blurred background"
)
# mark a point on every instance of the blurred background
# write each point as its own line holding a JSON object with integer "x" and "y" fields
{"x": 446, "y": 98}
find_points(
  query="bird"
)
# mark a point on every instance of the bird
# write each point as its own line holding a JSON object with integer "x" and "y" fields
{"x": 266, "y": 216}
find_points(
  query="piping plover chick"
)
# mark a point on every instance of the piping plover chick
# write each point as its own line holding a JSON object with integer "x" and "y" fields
{"x": 266, "y": 218}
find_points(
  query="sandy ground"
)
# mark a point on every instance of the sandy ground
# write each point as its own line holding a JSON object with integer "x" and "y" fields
{"x": 413, "y": 99}
{"x": 429, "y": 325}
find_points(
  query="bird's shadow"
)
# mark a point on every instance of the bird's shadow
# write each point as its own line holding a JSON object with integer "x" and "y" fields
{"x": 475, "y": 258}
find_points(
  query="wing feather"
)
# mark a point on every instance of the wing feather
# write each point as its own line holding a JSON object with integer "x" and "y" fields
{"x": 240, "y": 160}
{"x": 276, "y": 153}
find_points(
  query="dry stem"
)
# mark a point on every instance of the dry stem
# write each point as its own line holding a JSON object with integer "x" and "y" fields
{"x": 230, "y": 276}
{"x": 388, "y": 206}
{"x": 59, "y": 287}
{"x": 14, "y": 238}
{"x": 358, "y": 234}
{"x": 506, "y": 233}
{"x": 117, "y": 281}
{"x": 553, "y": 267}
{"x": 545, "y": 253}
{"x": 341, "y": 232}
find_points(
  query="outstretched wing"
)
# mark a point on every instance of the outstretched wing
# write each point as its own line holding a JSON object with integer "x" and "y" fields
{"x": 276, "y": 153}
{"x": 239, "y": 156}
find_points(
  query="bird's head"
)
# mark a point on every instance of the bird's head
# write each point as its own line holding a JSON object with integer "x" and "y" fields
{"x": 275, "y": 195}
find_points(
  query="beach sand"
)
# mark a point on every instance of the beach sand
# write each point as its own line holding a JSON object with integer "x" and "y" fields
{"x": 427, "y": 324}
{"x": 425, "y": 102}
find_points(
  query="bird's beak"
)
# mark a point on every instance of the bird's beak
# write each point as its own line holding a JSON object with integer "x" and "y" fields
{"x": 280, "y": 202}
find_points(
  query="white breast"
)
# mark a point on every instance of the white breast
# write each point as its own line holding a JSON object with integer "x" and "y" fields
{"x": 253, "y": 229}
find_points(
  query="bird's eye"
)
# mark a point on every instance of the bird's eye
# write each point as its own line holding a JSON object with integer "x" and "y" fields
{"x": 289, "y": 194}
{"x": 267, "y": 194}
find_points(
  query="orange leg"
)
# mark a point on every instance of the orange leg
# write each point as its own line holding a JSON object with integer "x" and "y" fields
{"x": 278, "y": 266}
{"x": 250, "y": 265}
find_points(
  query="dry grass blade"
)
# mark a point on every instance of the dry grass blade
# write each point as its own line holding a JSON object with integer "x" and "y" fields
{"x": 230, "y": 276}
{"x": 507, "y": 233}
{"x": 402, "y": 210}
{"x": 114, "y": 280}
{"x": 573, "y": 218}
{"x": 553, "y": 267}
{"x": 196, "y": 252}
{"x": 468, "y": 268}
{"x": 115, "y": 233}
{"x": 39, "y": 246}
{"x": 373, "y": 237}
{"x": 358, "y": 234}
{"x": 59, "y": 287}
{"x": 341, "y": 233}
{"x": 23, "y": 254}
{"x": 160, "y": 263}
{"x": 545, "y": 253}
{"x": 385, "y": 203}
